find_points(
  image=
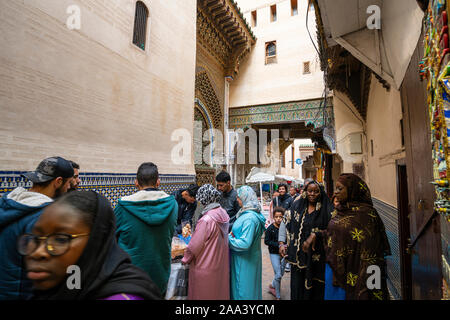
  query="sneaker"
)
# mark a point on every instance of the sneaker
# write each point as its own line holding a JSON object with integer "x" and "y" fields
{"x": 287, "y": 268}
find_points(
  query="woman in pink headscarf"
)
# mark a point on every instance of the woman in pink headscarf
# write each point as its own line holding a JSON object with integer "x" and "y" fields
{"x": 207, "y": 252}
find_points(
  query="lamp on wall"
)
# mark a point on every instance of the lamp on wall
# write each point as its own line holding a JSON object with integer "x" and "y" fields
{"x": 286, "y": 133}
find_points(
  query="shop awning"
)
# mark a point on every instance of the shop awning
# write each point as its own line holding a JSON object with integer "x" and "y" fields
{"x": 285, "y": 177}
{"x": 260, "y": 177}
{"x": 386, "y": 51}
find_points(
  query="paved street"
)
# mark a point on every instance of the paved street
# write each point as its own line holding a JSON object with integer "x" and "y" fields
{"x": 267, "y": 277}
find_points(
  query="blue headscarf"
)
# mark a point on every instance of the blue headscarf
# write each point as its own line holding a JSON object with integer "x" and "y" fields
{"x": 249, "y": 200}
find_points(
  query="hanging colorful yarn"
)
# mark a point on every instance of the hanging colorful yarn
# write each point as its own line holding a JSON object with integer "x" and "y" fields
{"x": 435, "y": 68}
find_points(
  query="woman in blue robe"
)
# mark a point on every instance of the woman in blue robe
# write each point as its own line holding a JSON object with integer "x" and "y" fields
{"x": 245, "y": 246}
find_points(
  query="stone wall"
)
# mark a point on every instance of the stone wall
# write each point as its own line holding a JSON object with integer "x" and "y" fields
{"x": 90, "y": 95}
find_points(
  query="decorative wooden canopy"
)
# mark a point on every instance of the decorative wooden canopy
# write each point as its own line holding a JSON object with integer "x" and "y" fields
{"x": 224, "y": 32}
{"x": 344, "y": 72}
{"x": 349, "y": 76}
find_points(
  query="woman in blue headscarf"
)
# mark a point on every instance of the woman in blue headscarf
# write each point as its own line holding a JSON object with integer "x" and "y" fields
{"x": 245, "y": 246}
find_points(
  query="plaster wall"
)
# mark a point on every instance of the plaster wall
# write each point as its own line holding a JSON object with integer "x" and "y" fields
{"x": 383, "y": 128}
{"x": 283, "y": 81}
{"x": 90, "y": 95}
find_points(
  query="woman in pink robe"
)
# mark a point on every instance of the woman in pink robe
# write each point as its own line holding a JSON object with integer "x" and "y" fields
{"x": 207, "y": 252}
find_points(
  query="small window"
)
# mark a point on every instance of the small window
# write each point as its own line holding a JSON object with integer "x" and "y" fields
{"x": 271, "y": 49}
{"x": 254, "y": 19}
{"x": 355, "y": 143}
{"x": 371, "y": 148}
{"x": 311, "y": 5}
{"x": 283, "y": 160}
{"x": 140, "y": 25}
{"x": 294, "y": 8}
{"x": 271, "y": 52}
{"x": 306, "y": 68}
{"x": 402, "y": 133}
{"x": 273, "y": 13}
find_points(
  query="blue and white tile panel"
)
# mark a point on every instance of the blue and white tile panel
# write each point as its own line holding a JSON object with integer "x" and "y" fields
{"x": 112, "y": 185}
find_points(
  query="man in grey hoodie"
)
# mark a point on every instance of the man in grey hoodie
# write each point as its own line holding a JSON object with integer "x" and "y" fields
{"x": 19, "y": 210}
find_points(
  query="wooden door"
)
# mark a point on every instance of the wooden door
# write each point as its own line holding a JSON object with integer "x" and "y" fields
{"x": 426, "y": 253}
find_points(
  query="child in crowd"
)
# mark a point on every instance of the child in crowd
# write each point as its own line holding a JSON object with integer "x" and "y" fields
{"x": 278, "y": 263}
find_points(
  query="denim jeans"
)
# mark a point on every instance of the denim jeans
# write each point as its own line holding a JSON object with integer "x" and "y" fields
{"x": 278, "y": 265}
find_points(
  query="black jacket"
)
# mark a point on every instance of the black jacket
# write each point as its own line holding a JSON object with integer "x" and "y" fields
{"x": 231, "y": 206}
{"x": 271, "y": 239}
{"x": 283, "y": 201}
{"x": 185, "y": 210}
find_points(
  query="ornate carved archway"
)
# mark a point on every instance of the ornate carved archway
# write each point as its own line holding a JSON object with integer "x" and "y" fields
{"x": 204, "y": 91}
{"x": 208, "y": 114}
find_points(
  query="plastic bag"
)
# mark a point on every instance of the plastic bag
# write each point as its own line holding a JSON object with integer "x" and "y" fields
{"x": 177, "y": 287}
{"x": 178, "y": 247}
{"x": 185, "y": 240}
{"x": 186, "y": 229}
{"x": 186, "y": 232}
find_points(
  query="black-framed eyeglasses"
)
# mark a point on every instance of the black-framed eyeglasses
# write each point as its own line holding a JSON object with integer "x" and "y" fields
{"x": 56, "y": 244}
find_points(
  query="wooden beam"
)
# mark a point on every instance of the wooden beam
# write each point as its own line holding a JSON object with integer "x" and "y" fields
{"x": 232, "y": 25}
{"x": 234, "y": 33}
{"x": 223, "y": 20}
{"x": 211, "y": 6}
{"x": 218, "y": 12}
{"x": 239, "y": 42}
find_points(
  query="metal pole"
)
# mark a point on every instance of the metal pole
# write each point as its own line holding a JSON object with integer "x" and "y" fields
{"x": 260, "y": 192}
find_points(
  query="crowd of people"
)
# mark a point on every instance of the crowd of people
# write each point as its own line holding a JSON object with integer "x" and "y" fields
{"x": 124, "y": 253}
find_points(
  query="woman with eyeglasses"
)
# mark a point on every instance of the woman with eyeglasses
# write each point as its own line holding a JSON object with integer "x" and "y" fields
{"x": 305, "y": 221}
{"x": 79, "y": 230}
